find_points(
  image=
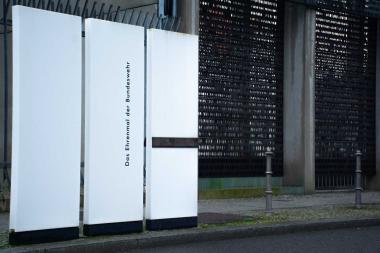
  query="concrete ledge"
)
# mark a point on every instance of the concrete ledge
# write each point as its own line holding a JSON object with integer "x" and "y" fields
{"x": 154, "y": 239}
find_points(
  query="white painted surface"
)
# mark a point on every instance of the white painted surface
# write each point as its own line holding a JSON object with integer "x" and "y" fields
{"x": 113, "y": 191}
{"x": 173, "y": 183}
{"x": 172, "y": 111}
{"x": 173, "y": 81}
{"x": 46, "y": 120}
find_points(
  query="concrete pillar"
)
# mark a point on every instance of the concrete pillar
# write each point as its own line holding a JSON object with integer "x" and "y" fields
{"x": 188, "y": 11}
{"x": 299, "y": 90}
{"x": 374, "y": 183}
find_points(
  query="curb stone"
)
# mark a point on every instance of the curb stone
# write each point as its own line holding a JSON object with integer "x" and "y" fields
{"x": 175, "y": 237}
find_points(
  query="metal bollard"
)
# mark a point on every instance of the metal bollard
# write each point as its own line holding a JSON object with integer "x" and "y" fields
{"x": 268, "y": 191}
{"x": 358, "y": 180}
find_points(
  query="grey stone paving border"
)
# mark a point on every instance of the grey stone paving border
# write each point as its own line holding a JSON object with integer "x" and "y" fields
{"x": 156, "y": 239}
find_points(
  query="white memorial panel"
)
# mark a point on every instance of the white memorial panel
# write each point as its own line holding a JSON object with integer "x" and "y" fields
{"x": 114, "y": 139}
{"x": 172, "y": 130}
{"x": 46, "y": 129}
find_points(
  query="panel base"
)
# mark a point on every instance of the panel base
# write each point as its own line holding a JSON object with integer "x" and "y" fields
{"x": 113, "y": 228}
{"x": 43, "y": 236}
{"x": 173, "y": 223}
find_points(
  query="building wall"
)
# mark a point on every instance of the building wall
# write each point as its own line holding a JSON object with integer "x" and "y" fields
{"x": 298, "y": 128}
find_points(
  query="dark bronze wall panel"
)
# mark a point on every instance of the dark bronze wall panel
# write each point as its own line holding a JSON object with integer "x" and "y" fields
{"x": 240, "y": 86}
{"x": 345, "y": 92}
{"x": 368, "y": 8}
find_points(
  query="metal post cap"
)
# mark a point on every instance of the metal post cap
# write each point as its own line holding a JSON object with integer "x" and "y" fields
{"x": 269, "y": 152}
{"x": 358, "y": 153}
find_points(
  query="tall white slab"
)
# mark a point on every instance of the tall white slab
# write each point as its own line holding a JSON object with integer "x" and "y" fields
{"x": 172, "y": 130}
{"x": 114, "y": 128}
{"x": 46, "y": 126}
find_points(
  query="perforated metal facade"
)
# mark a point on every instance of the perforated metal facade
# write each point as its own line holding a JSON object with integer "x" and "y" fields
{"x": 240, "y": 86}
{"x": 369, "y": 8}
{"x": 345, "y": 96}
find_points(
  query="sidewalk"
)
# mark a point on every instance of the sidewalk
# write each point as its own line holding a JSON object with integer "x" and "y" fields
{"x": 220, "y": 211}
{"x": 245, "y": 206}
{"x": 228, "y": 217}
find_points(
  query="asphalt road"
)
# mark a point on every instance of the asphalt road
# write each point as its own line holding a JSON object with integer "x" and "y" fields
{"x": 341, "y": 241}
